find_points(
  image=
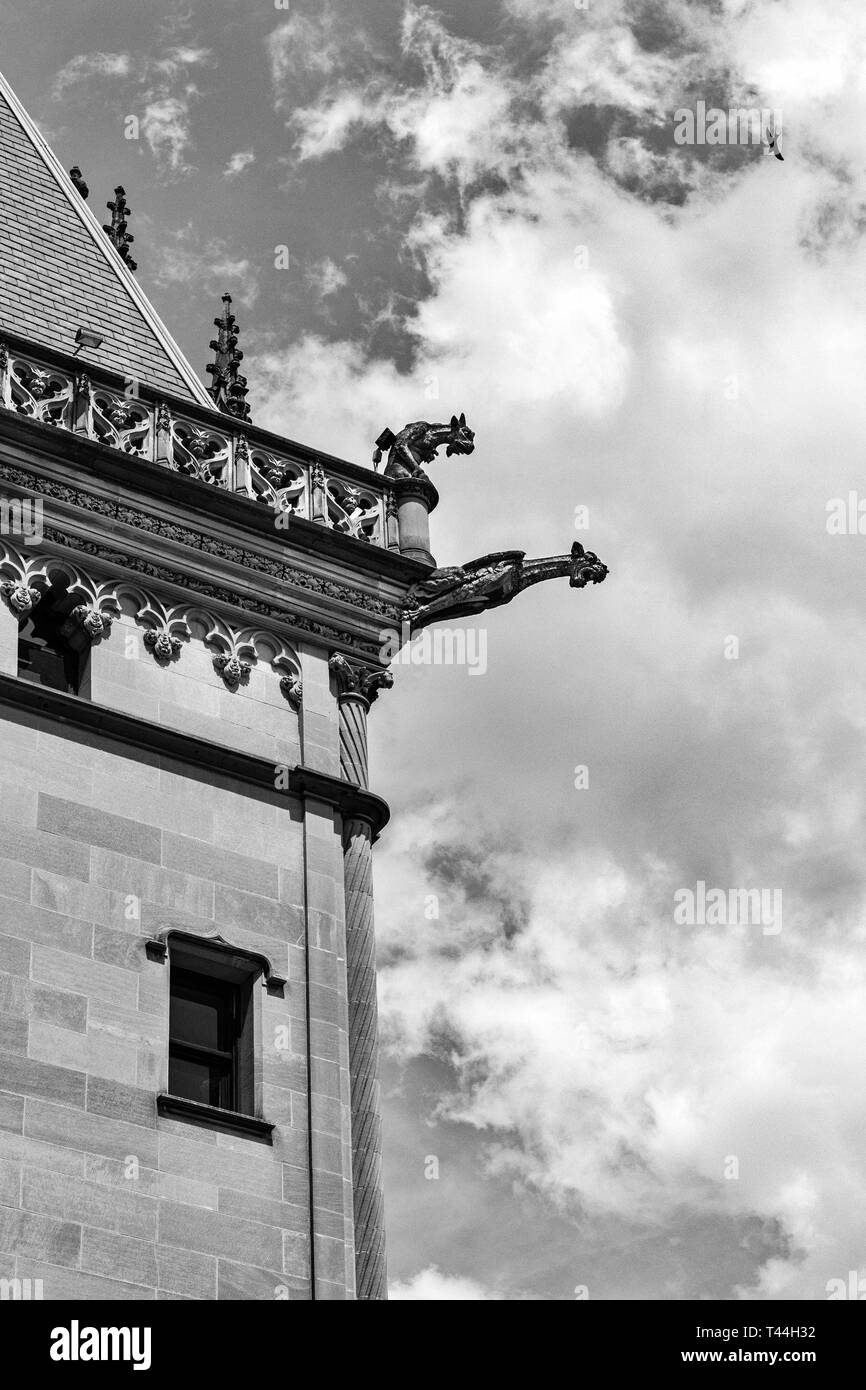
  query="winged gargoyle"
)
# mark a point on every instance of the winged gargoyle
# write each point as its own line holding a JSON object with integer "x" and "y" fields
{"x": 457, "y": 591}
{"x": 417, "y": 444}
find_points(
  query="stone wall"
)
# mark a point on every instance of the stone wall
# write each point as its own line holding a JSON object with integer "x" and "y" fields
{"x": 101, "y": 846}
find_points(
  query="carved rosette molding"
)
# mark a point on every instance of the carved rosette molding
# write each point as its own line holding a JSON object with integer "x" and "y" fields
{"x": 20, "y": 598}
{"x": 95, "y": 622}
{"x": 166, "y": 627}
{"x": 217, "y": 453}
{"x": 165, "y": 648}
{"x": 233, "y": 671}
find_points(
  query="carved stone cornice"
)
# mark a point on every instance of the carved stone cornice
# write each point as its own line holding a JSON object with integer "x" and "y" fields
{"x": 354, "y": 679}
{"x": 199, "y": 540}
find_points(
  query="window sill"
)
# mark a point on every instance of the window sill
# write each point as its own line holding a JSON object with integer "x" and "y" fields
{"x": 214, "y": 1118}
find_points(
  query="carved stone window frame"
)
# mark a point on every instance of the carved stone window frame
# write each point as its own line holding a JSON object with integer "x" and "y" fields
{"x": 213, "y": 957}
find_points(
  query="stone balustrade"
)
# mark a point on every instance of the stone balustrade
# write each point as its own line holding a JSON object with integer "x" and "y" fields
{"x": 212, "y": 448}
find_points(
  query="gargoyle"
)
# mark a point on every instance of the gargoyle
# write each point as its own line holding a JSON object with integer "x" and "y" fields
{"x": 457, "y": 591}
{"x": 417, "y": 444}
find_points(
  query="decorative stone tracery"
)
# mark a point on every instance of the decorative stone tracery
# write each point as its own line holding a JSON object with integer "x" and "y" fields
{"x": 223, "y": 452}
{"x": 23, "y": 580}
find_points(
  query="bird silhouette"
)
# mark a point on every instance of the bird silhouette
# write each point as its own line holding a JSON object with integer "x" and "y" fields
{"x": 772, "y": 146}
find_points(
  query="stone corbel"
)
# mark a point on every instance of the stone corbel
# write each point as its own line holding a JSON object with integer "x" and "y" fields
{"x": 292, "y": 687}
{"x": 234, "y": 672}
{"x": 239, "y": 651}
{"x": 162, "y": 645}
{"x": 21, "y": 598}
{"x": 93, "y": 621}
{"x": 166, "y": 630}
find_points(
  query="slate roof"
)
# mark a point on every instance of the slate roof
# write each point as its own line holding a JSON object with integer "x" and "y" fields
{"x": 59, "y": 271}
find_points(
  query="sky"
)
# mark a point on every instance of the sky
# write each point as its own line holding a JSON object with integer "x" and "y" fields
{"x": 485, "y": 210}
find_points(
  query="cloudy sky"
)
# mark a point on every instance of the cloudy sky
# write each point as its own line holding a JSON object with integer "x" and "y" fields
{"x": 485, "y": 210}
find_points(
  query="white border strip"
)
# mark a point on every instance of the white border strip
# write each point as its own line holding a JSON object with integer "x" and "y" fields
{"x": 126, "y": 278}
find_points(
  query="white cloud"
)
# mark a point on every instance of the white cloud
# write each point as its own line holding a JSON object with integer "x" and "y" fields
{"x": 84, "y": 66}
{"x": 456, "y": 123}
{"x": 209, "y": 267}
{"x": 165, "y": 126}
{"x": 300, "y": 46}
{"x": 165, "y": 91}
{"x": 325, "y": 128}
{"x": 169, "y": 96}
{"x": 238, "y": 162}
{"x": 326, "y": 277}
{"x": 695, "y": 380}
{"x": 431, "y": 1286}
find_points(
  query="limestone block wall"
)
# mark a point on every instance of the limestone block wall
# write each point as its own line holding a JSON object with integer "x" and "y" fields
{"x": 103, "y": 845}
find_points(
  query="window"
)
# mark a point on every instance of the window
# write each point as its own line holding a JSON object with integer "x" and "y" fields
{"x": 205, "y": 1028}
{"x": 214, "y": 1067}
{"x": 215, "y": 1062}
{"x": 46, "y": 655}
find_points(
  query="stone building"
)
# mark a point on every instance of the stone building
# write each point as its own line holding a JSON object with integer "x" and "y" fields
{"x": 191, "y": 637}
{"x": 187, "y": 1048}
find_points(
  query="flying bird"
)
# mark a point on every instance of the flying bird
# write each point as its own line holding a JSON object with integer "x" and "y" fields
{"x": 772, "y": 146}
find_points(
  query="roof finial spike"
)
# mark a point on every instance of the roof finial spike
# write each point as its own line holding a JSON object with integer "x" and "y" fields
{"x": 116, "y": 232}
{"x": 78, "y": 180}
{"x": 228, "y": 388}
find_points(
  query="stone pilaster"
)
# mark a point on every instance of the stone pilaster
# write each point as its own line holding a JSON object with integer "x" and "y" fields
{"x": 357, "y": 687}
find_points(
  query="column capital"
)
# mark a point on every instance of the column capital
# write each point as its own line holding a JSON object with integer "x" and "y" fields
{"x": 355, "y": 679}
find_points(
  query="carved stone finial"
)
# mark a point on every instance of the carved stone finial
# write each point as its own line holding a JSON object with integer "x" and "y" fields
{"x": 78, "y": 180}
{"x": 417, "y": 444}
{"x": 116, "y": 231}
{"x": 227, "y": 387}
{"x": 458, "y": 591}
{"x": 354, "y": 679}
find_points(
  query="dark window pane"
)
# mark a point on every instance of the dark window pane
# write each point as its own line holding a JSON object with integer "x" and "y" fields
{"x": 201, "y": 1011}
{"x": 196, "y": 1017}
{"x": 200, "y": 1079}
{"x": 202, "y": 1039}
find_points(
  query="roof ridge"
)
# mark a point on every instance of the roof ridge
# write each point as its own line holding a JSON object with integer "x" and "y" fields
{"x": 93, "y": 227}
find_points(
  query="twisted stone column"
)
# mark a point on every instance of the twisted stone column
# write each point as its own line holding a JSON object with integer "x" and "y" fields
{"x": 357, "y": 688}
